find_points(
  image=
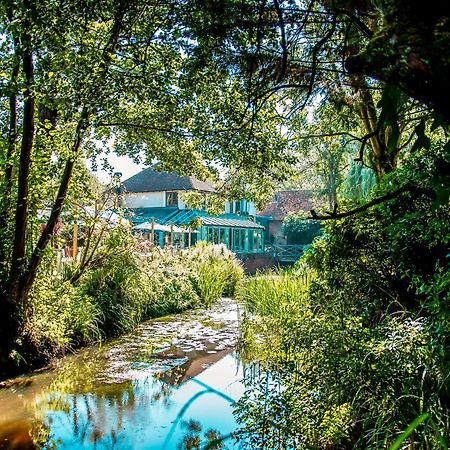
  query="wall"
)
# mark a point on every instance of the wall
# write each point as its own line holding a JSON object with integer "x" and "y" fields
{"x": 257, "y": 261}
{"x": 247, "y": 207}
{"x": 276, "y": 230}
{"x": 145, "y": 199}
{"x": 181, "y": 203}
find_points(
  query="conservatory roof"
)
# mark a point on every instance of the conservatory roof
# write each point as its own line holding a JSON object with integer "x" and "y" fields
{"x": 186, "y": 216}
{"x": 179, "y": 217}
{"x": 220, "y": 221}
{"x": 158, "y": 214}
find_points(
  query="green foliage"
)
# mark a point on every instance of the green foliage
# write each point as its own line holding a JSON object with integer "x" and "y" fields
{"x": 61, "y": 316}
{"x": 276, "y": 293}
{"x": 356, "y": 358}
{"x": 359, "y": 181}
{"x": 299, "y": 230}
{"x": 122, "y": 288}
{"x": 216, "y": 270}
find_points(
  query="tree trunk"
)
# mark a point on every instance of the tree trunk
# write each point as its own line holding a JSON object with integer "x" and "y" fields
{"x": 382, "y": 160}
{"x": 12, "y": 140}
{"x": 18, "y": 261}
{"x": 28, "y": 279}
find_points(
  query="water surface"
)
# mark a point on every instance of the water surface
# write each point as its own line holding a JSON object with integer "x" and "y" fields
{"x": 170, "y": 385}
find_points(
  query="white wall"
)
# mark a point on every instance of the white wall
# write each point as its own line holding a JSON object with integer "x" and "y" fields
{"x": 181, "y": 204}
{"x": 145, "y": 199}
{"x": 251, "y": 209}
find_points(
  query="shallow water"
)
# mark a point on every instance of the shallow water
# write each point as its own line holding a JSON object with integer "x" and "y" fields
{"x": 170, "y": 385}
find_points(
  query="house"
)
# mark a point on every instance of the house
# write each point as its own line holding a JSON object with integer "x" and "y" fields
{"x": 283, "y": 203}
{"x": 155, "y": 205}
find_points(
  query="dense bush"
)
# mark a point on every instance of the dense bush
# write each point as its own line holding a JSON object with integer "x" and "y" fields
{"x": 300, "y": 231}
{"x": 121, "y": 288}
{"x": 365, "y": 350}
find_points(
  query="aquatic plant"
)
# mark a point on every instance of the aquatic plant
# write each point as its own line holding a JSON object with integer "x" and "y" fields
{"x": 117, "y": 292}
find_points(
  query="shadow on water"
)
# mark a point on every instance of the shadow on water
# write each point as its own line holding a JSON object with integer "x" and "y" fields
{"x": 171, "y": 385}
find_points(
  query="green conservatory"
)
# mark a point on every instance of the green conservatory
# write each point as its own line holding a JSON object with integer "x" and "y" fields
{"x": 239, "y": 236}
{"x": 185, "y": 227}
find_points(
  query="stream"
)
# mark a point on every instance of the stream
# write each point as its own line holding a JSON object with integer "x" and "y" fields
{"x": 170, "y": 385}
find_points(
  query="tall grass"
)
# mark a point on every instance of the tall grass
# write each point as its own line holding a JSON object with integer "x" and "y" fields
{"x": 123, "y": 288}
{"x": 276, "y": 293}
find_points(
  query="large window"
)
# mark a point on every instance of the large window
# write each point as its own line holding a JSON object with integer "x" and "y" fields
{"x": 171, "y": 198}
{"x": 238, "y": 240}
{"x": 216, "y": 235}
{"x": 257, "y": 240}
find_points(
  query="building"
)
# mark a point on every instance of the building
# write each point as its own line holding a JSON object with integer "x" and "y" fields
{"x": 155, "y": 205}
{"x": 283, "y": 203}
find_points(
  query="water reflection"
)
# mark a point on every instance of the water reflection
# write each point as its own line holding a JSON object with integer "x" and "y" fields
{"x": 170, "y": 386}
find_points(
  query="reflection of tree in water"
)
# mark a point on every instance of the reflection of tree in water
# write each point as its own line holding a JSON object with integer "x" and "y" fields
{"x": 95, "y": 410}
{"x": 194, "y": 440}
{"x": 265, "y": 413}
{"x": 268, "y": 412}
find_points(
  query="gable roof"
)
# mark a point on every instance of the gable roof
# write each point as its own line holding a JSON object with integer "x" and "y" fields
{"x": 149, "y": 180}
{"x": 285, "y": 202}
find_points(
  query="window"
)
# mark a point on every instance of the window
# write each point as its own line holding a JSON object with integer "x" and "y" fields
{"x": 239, "y": 240}
{"x": 171, "y": 198}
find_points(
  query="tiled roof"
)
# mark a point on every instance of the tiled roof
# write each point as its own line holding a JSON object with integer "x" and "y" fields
{"x": 285, "y": 202}
{"x": 149, "y": 180}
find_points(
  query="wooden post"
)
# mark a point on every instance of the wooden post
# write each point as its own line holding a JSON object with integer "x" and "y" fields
{"x": 152, "y": 235}
{"x": 189, "y": 237}
{"x": 75, "y": 239}
{"x": 171, "y": 234}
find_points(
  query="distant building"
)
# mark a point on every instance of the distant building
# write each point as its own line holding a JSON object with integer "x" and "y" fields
{"x": 283, "y": 203}
{"x": 155, "y": 205}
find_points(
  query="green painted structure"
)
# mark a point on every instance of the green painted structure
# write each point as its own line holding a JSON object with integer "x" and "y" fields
{"x": 238, "y": 233}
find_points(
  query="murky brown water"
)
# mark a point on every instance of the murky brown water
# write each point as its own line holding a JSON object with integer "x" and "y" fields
{"x": 170, "y": 385}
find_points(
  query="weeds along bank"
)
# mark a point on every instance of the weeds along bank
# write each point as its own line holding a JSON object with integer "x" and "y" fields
{"x": 353, "y": 346}
{"x": 119, "y": 288}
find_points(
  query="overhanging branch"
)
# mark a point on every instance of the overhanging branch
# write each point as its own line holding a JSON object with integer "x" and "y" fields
{"x": 430, "y": 193}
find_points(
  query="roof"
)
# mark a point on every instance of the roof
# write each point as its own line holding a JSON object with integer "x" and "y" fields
{"x": 149, "y": 180}
{"x": 221, "y": 221}
{"x": 185, "y": 216}
{"x": 158, "y": 214}
{"x": 157, "y": 227}
{"x": 180, "y": 217}
{"x": 285, "y": 202}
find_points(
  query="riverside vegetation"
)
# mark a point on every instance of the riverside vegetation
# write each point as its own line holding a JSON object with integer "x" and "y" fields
{"x": 353, "y": 345}
{"x": 121, "y": 290}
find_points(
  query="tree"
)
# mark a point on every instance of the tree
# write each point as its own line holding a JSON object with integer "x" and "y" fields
{"x": 298, "y": 52}
{"x": 79, "y": 75}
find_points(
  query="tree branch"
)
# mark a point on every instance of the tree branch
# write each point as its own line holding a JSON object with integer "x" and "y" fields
{"x": 430, "y": 193}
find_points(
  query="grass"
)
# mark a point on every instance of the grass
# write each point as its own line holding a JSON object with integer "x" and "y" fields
{"x": 115, "y": 296}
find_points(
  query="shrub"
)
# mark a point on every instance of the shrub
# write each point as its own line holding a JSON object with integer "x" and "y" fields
{"x": 300, "y": 231}
{"x": 356, "y": 357}
{"x": 60, "y": 315}
{"x": 118, "y": 289}
{"x": 217, "y": 271}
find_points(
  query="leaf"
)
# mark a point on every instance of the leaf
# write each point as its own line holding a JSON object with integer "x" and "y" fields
{"x": 405, "y": 435}
{"x": 422, "y": 141}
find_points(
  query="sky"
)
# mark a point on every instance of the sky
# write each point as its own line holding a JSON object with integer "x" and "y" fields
{"x": 123, "y": 164}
